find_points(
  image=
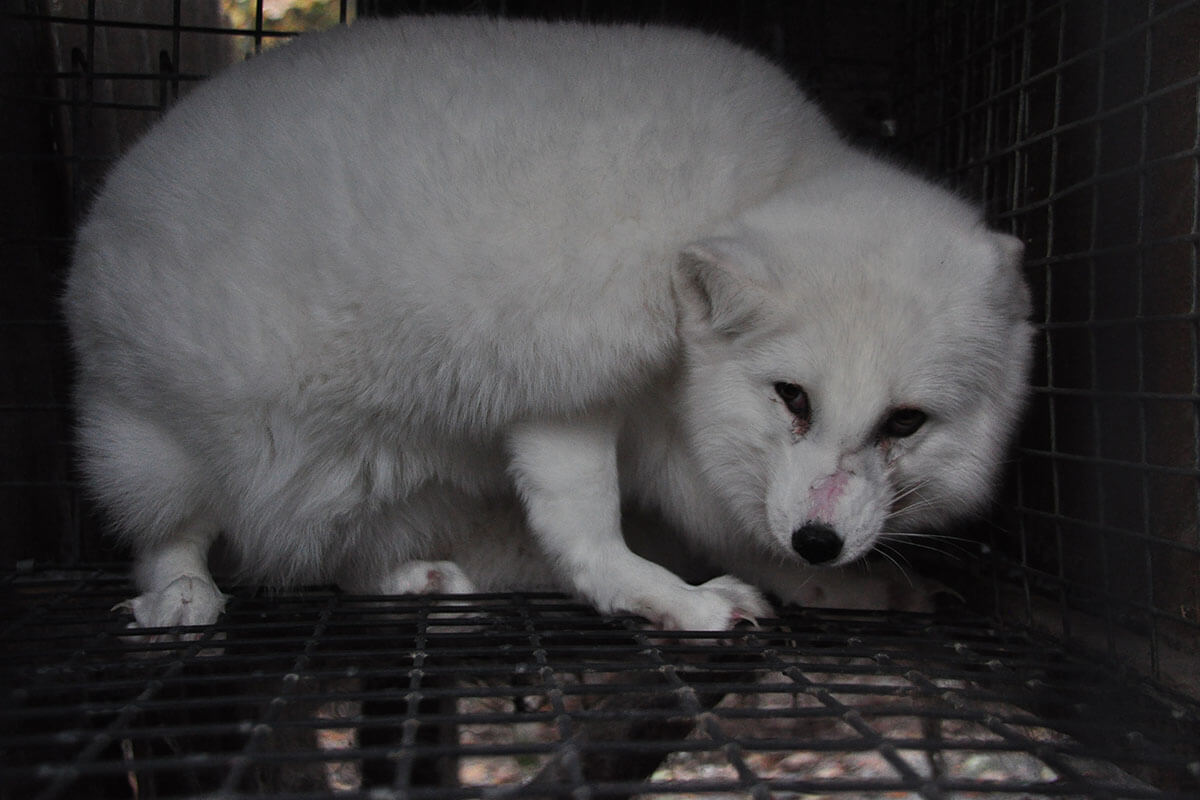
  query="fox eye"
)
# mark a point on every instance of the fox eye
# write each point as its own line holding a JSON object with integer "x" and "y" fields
{"x": 795, "y": 399}
{"x": 903, "y": 422}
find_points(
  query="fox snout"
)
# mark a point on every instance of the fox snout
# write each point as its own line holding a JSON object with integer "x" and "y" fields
{"x": 816, "y": 541}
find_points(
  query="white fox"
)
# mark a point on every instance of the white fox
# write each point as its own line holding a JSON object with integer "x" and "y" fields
{"x": 421, "y": 305}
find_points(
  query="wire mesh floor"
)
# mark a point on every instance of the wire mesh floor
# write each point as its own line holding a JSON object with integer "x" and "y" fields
{"x": 304, "y": 695}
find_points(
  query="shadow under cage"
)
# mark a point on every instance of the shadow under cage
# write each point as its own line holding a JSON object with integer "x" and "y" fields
{"x": 1069, "y": 669}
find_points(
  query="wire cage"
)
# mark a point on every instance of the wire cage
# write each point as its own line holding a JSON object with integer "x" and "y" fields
{"x": 1069, "y": 669}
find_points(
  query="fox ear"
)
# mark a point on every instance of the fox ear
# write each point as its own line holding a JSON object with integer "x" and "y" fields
{"x": 713, "y": 298}
{"x": 1009, "y": 285}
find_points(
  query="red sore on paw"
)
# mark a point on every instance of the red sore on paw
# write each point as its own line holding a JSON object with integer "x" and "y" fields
{"x": 434, "y": 581}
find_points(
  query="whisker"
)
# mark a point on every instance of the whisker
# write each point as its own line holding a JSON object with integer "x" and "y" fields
{"x": 960, "y": 556}
{"x": 909, "y": 510}
{"x": 926, "y": 535}
{"x": 896, "y": 562}
{"x": 886, "y": 549}
{"x": 909, "y": 490}
{"x": 907, "y": 538}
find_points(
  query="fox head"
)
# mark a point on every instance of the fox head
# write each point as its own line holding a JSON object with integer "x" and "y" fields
{"x": 855, "y": 364}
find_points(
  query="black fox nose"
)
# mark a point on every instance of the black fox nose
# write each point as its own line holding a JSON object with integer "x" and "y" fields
{"x": 816, "y": 543}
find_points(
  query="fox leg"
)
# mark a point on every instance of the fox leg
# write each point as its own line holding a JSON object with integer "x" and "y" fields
{"x": 566, "y": 475}
{"x": 173, "y": 575}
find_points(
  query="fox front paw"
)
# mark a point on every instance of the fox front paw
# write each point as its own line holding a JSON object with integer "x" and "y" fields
{"x": 718, "y": 605}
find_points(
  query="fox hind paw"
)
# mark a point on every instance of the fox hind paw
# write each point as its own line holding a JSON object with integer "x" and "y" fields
{"x": 188, "y": 600}
{"x": 426, "y": 577}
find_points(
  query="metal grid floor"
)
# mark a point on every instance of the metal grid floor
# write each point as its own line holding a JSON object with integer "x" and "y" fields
{"x": 302, "y": 695}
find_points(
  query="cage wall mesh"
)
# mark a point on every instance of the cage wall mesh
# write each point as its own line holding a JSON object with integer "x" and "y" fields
{"x": 1070, "y": 672}
{"x": 1075, "y": 124}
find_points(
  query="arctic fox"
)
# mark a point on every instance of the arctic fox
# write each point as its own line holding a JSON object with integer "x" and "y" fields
{"x": 422, "y": 305}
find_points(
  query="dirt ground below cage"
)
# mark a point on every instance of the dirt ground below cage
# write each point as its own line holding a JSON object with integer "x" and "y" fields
{"x": 967, "y": 752}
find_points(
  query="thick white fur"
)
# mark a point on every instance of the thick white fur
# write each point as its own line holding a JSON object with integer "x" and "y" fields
{"x": 414, "y": 305}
